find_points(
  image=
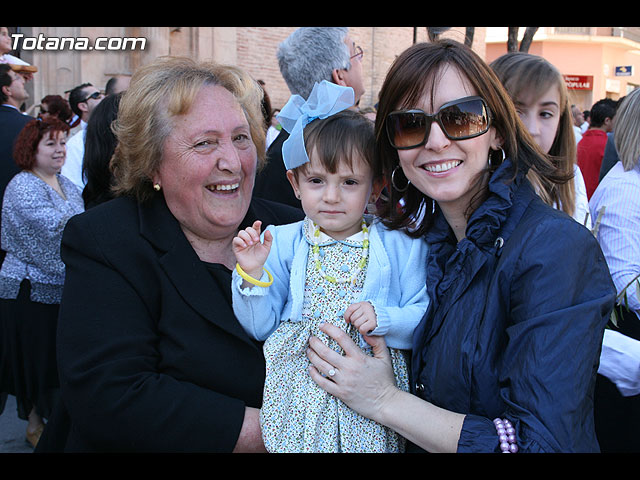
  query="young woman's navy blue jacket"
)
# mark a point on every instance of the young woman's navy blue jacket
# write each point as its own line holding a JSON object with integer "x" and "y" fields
{"x": 516, "y": 320}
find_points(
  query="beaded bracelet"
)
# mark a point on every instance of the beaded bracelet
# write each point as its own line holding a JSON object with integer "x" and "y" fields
{"x": 507, "y": 435}
{"x": 252, "y": 280}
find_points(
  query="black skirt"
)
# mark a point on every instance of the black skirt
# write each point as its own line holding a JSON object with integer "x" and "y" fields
{"x": 28, "y": 367}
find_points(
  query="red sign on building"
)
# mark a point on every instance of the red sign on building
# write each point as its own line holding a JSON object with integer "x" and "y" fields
{"x": 579, "y": 82}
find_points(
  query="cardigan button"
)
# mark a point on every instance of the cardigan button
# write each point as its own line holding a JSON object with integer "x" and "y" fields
{"x": 419, "y": 387}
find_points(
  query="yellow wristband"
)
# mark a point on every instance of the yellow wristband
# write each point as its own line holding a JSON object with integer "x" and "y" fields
{"x": 252, "y": 280}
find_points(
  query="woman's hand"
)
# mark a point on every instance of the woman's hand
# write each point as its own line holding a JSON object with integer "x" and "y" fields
{"x": 250, "y": 439}
{"x": 365, "y": 383}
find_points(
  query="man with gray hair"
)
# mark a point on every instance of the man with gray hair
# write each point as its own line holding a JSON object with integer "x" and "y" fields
{"x": 312, "y": 54}
{"x": 308, "y": 56}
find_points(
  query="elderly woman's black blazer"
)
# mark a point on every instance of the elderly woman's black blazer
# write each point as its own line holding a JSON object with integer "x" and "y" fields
{"x": 150, "y": 355}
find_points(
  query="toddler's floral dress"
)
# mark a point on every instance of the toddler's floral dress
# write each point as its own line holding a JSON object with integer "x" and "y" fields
{"x": 297, "y": 415}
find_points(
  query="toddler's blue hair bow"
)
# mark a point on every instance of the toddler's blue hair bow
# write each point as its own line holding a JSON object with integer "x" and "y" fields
{"x": 325, "y": 99}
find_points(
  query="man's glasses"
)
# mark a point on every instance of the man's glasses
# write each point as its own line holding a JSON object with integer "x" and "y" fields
{"x": 459, "y": 119}
{"x": 94, "y": 95}
{"x": 359, "y": 53}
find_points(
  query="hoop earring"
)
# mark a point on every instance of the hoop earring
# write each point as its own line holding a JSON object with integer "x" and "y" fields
{"x": 393, "y": 182}
{"x": 492, "y": 161}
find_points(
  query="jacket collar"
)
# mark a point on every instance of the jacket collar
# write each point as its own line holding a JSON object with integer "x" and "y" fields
{"x": 160, "y": 227}
{"x": 183, "y": 267}
{"x": 157, "y": 224}
{"x": 8, "y": 106}
{"x": 453, "y": 265}
{"x": 486, "y": 223}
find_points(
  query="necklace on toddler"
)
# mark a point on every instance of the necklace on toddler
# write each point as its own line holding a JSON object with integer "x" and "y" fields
{"x": 361, "y": 264}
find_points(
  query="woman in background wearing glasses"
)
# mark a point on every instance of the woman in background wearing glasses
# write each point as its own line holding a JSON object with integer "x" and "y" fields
{"x": 506, "y": 356}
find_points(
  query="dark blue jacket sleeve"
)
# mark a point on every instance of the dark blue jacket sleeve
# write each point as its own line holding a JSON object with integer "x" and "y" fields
{"x": 561, "y": 296}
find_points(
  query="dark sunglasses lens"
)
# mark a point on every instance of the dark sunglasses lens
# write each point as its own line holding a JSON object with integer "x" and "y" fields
{"x": 94, "y": 95}
{"x": 466, "y": 119}
{"x": 407, "y": 129}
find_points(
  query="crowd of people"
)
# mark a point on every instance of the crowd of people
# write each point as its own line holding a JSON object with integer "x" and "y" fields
{"x": 188, "y": 269}
{"x": 44, "y": 152}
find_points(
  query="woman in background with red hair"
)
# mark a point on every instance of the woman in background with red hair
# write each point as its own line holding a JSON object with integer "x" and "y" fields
{"x": 37, "y": 204}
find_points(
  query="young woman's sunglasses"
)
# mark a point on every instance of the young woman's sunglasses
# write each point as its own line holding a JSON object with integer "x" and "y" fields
{"x": 94, "y": 95}
{"x": 459, "y": 119}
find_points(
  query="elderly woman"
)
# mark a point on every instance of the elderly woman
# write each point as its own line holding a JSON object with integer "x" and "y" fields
{"x": 37, "y": 204}
{"x": 151, "y": 357}
{"x": 505, "y": 357}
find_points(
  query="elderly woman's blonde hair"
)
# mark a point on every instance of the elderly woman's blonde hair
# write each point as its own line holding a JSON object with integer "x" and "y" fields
{"x": 159, "y": 92}
{"x": 627, "y": 131}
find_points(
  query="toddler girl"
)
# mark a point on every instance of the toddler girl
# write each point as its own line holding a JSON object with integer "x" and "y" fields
{"x": 338, "y": 265}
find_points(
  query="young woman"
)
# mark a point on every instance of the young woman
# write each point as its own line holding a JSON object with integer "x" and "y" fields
{"x": 505, "y": 357}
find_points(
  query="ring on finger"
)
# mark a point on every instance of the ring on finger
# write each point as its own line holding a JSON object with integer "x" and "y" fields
{"x": 331, "y": 372}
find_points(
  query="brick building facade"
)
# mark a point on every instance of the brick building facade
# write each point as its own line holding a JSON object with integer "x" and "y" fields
{"x": 251, "y": 48}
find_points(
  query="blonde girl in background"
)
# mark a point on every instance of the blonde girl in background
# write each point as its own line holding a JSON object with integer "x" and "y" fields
{"x": 540, "y": 96}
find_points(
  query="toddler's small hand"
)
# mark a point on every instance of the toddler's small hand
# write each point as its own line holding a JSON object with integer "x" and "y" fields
{"x": 362, "y": 316}
{"x": 250, "y": 252}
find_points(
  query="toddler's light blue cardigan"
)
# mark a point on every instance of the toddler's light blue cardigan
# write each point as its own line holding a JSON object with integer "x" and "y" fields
{"x": 395, "y": 284}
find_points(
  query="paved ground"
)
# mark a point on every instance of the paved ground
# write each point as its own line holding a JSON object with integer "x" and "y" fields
{"x": 12, "y": 430}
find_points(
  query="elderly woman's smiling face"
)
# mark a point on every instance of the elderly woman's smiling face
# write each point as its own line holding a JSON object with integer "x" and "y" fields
{"x": 208, "y": 166}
